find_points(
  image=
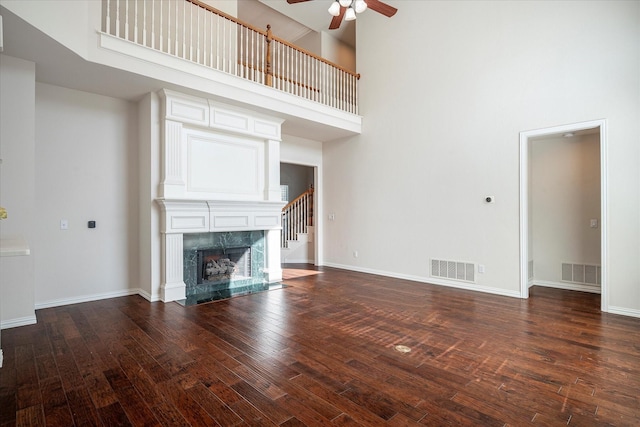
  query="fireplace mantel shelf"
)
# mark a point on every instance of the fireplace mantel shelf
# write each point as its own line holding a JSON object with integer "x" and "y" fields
{"x": 198, "y": 216}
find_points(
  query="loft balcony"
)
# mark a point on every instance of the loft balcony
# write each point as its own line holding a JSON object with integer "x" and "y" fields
{"x": 126, "y": 48}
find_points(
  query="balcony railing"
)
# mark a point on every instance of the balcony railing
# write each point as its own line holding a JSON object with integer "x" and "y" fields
{"x": 196, "y": 32}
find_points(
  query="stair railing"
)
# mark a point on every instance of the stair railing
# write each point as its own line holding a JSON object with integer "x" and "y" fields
{"x": 297, "y": 217}
{"x": 196, "y": 32}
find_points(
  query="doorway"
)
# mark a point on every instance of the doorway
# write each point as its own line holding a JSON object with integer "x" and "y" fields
{"x": 587, "y": 273}
{"x": 297, "y": 184}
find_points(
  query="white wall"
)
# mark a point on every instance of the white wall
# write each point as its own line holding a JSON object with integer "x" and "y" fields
{"x": 17, "y": 187}
{"x": 86, "y": 169}
{"x": 337, "y": 52}
{"x": 442, "y": 116}
{"x": 299, "y": 178}
{"x": 565, "y": 196}
{"x": 312, "y": 42}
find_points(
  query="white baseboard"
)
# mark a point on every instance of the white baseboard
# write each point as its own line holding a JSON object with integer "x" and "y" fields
{"x": 430, "y": 280}
{"x": 146, "y": 295}
{"x": 567, "y": 285}
{"x": 624, "y": 311}
{"x": 30, "y": 320}
{"x": 19, "y": 321}
{"x": 297, "y": 261}
{"x": 86, "y": 298}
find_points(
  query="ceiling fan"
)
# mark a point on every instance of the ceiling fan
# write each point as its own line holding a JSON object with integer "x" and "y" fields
{"x": 346, "y": 9}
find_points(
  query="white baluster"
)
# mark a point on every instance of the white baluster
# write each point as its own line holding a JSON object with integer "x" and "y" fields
{"x": 176, "y": 34}
{"x": 107, "y": 17}
{"x": 198, "y": 13}
{"x": 126, "y": 19}
{"x": 153, "y": 24}
{"x": 253, "y": 60}
{"x": 184, "y": 29}
{"x": 135, "y": 22}
{"x": 117, "y": 18}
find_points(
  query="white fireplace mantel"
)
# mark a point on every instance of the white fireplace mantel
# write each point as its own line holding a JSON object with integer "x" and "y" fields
{"x": 202, "y": 216}
{"x": 220, "y": 172}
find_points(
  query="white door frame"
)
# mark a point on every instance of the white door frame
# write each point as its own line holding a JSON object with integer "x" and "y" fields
{"x": 524, "y": 203}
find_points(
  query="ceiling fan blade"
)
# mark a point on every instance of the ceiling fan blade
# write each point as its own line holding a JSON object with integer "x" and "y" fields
{"x": 296, "y": 1}
{"x": 337, "y": 20}
{"x": 381, "y": 7}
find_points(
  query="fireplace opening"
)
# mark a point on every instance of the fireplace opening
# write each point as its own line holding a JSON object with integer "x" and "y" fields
{"x": 223, "y": 265}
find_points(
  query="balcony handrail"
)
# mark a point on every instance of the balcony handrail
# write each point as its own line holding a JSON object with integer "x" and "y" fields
{"x": 273, "y": 37}
{"x": 196, "y": 32}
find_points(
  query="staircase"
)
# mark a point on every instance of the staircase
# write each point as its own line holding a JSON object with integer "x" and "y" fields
{"x": 298, "y": 230}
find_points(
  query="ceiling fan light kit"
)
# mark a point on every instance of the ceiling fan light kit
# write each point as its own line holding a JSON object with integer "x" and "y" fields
{"x": 360, "y": 6}
{"x": 334, "y": 9}
{"x": 347, "y": 9}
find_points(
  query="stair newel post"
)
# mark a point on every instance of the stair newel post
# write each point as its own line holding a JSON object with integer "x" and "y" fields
{"x": 268, "y": 65}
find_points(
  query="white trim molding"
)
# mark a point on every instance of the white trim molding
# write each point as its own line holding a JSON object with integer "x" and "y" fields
{"x": 524, "y": 201}
{"x": 20, "y": 321}
{"x": 85, "y": 298}
{"x": 624, "y": 311}
{"x": 567, "y": 285}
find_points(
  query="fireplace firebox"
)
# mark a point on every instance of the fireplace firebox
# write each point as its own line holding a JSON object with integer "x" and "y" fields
{"x": 223, "y": 265}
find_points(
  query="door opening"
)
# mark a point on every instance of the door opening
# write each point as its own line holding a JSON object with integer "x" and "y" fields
{"x": 299, "y": 228}
{"x": 569, "y": 271}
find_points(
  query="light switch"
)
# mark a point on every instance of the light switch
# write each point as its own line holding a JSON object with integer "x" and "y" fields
{"x": 64, "y": 224}
{"x": 593, "y": 223}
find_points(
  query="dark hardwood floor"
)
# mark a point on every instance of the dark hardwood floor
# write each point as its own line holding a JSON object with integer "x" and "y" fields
{"x": 321, "y": 352}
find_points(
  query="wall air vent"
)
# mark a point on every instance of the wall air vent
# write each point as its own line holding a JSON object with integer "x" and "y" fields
{"x": 581, "y": 273}
{"x": 454, "y": 270}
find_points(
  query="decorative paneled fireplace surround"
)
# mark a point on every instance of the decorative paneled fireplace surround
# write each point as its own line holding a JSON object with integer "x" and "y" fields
{"x": 220, "y": 199}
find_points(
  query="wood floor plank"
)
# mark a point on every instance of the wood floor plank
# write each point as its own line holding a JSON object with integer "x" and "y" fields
{"x": 269, "y": 408}
{"x": 8, "y": 408}
{"x": 56, "y": 406}
{"x": 114, "y": 415}
{"x": 132, "y": 402}
{"x": 321, "y": 352}
{"x": 31, "y": 416}
{"x": 218, "y": 410}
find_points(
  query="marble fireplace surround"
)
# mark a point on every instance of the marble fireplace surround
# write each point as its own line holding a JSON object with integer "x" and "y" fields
{"x": 220, "y": 172}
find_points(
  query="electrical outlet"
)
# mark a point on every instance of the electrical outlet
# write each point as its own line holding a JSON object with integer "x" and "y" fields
{"x": 355, "y": 254}
{"x": 480, "y": 268}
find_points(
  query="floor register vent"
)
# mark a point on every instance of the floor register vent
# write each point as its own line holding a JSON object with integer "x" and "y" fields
{"x": 455, "y": 270}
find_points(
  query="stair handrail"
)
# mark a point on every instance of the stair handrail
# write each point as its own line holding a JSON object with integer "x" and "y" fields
{"x": 297, "y": 216}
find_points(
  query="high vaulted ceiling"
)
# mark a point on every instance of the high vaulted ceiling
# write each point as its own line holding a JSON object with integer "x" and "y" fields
{"x": 293, "y": 21}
